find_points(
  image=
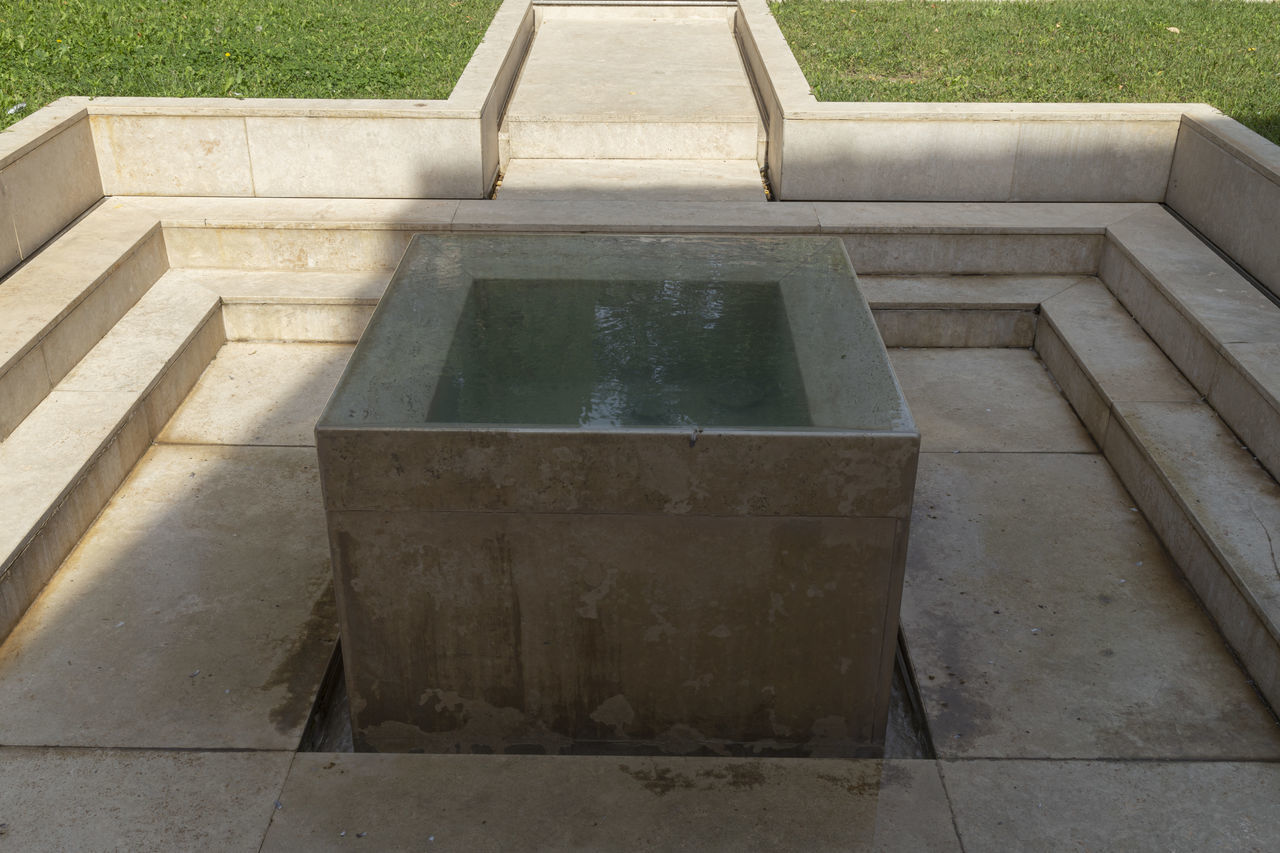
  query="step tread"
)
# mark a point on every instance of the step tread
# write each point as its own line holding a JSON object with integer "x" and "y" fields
{"x": 38, "y": 296}
{"x": 640, "y": 70}
{"x": 1112, "y": 349}
{"x": 43, "y": 458}
{"x": 1205, "y": 287}
{"x": 129, "y": 357}
{"x": 633, "y": 179}
{"x": 1220, "y": 485}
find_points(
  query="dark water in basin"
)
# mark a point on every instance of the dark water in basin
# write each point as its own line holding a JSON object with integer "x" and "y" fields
{"x": 622, "y": 353}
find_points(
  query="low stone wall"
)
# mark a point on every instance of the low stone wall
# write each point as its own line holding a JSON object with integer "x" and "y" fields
{"x": 950, "y": 152}
{"x": 57, "y": 163}
{"x": 48, "y": 176}
{"x": 1225, "y": 181}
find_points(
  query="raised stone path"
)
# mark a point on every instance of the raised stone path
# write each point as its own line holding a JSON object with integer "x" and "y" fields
{"x": 633, "y": 102}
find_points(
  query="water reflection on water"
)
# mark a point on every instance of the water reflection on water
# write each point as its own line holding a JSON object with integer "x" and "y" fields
{"x": 622, "y": 353}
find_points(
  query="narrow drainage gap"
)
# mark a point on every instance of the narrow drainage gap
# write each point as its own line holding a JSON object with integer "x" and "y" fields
{"x": 328, "y": 728}
{"x": 1232, "y": 262}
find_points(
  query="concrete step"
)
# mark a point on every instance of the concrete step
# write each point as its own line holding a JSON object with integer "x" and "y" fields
{"x": 59, "y": 304}
{"x": 622, "y": 86}
{"x": 62, "y": 463}
{"x": 632, "y": 180}
{"x": 1211, "y": 322}
{"x": 1214, "y": 506}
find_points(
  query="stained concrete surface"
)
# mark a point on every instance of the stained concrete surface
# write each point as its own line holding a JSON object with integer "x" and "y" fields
{"x": 1000, "y": 400}
{"x": 139, "y": 800}
{"x": 196, "y": 612}
{"x": 260, "y": 393}
{"x": 1183, "y": 807}
{"x": 484, "y": 802}
{"x": 1046, "y": 620}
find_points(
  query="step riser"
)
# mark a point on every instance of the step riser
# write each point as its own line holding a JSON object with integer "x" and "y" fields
{"x": 941, "y": 327}
{"x": 632, "y": 180}
{"x": 898, "y": 327}
{"x": 872, "y": 254}
{"x": 25, "y": 574}
{"x": 296, "y": 323}
{"x": 566, "y": 140}
{"x": 299, "y": 249}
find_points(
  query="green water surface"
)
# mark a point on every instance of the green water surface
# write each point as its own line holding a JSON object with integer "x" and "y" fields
{"x": 622, "y": 353}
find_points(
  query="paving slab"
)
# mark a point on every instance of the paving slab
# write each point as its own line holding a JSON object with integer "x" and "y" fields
{"x": 107, "y": 800}
{"x": 204, "y": 212}
{"x": 1046, "y": 620}
{"x": 657, "y": 180}
{"x": 260, "y": 393}
{"x": 999, "y": 400}
{"x": 1112, "y": 348}
{"x": 483, "y": 802}
{"x": 197, "y": 612}
{"x": 1134, "y": 805}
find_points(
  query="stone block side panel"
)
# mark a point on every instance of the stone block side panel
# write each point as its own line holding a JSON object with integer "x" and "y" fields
{"x": 286, "y": 248}
{"x": 187, "y": 155}
{"x": 1116, "y": 161}
{"x": 775, "y": 75}
{"x": 1225, "y": 181}
{"x": 494, "y": 88}
{"x": 331, "y": 157}
{"x": 664, "y": 472}
{"x": 289, "y": 156}
{"x": 927, "y": 155}
{"x": 855, "y": 159}
{"x": 526, "y": 631}
{"x": 46, "y": 188}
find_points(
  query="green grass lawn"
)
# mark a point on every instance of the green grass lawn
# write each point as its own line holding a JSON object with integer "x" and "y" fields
{"x": 249, "y": 48}
{"x": 1224, "y": 53}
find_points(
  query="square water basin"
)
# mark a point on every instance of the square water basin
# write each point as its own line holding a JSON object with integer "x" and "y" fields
{"x": 619, "y": 494}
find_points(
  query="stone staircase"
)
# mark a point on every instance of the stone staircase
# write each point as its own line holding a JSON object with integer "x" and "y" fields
{"x": 668, "y": 113}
